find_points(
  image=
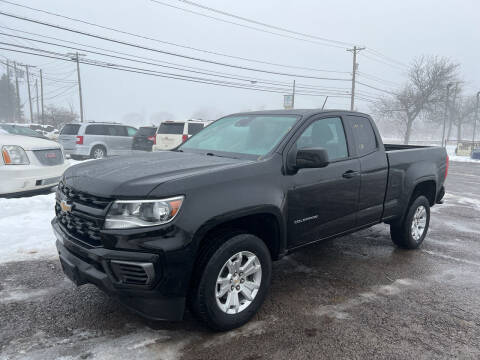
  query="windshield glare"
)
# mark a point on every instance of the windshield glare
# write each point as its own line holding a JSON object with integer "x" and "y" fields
{"x": 247, "y": 134}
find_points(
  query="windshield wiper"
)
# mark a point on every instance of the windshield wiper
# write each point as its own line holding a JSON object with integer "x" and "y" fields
{"x": 223, "y": 156}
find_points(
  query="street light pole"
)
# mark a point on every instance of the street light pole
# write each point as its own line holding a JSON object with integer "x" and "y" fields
{"x": 475, "y": 122}
{"x": 445, "y": 115}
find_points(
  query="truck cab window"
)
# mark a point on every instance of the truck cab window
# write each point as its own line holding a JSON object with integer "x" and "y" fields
{"x": 365, "y": 139}
{"x": 328, "y": 134}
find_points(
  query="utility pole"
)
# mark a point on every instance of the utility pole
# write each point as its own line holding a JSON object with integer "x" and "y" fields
{"x": 8, "y": 86}
{"x": 38, "y": 102}
{"x": 17, "y": 105}
{"x": 293, "y": 95}
{"x": 75, "y": 56}
{"x": 445, "y": 114}
{"x": 450, "y": 123}
{"x": 41, "y": 95}
{"x": 475, "y": 122}
{"x": 29, "y": 94}
{"x": 354, "y": 51}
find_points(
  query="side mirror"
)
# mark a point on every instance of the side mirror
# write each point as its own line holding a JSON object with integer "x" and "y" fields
{"x": 311, "y": 158}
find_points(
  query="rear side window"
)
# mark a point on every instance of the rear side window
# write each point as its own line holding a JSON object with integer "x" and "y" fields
{"x": 70, "y": 129}
{"x": 116, "y": 130}
{"x": 171, "y": 128}
{"x": 146, "y": 131}
{"x": 365, "y": 139}
{"x": 194, "y": 128}
{"x": 96, "y": 130}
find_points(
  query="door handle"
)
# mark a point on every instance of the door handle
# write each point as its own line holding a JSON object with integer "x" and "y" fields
{"x": 350, "y": 174}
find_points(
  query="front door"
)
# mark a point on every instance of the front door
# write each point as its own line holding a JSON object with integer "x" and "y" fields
{"x": 323, "y": 202}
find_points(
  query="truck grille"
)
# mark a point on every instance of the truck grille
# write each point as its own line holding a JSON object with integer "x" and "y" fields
{"x": 133, "y": 273}
{"x": 83, "y": 198}
{"x": 84, "y": 225}
{"x": 50, "y": 157}
{"x": 79, "y": 227}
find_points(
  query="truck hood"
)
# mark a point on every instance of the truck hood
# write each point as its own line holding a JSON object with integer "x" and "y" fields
{"x": 136, "y": 176}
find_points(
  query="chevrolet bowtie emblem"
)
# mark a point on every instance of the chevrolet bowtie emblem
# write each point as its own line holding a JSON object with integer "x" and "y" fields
{"x": 66, "y": 207}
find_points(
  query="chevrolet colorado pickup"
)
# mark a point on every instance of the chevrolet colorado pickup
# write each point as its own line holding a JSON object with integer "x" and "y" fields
{"x": 201, "y": 225}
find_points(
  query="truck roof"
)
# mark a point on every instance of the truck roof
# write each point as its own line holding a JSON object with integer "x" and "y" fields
{"x": 301, "y": 112}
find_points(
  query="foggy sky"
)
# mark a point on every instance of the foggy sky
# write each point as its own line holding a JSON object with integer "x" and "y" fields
{"x": 399, "y": 29}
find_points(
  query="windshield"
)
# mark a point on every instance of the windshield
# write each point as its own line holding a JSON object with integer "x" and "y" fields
{"x": 243, "y": 134}
{"x": 20, "y": 130}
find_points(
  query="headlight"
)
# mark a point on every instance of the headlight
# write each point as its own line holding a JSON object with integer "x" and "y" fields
{"x": 14, "y": 155}
{"x": 127, "y": 214}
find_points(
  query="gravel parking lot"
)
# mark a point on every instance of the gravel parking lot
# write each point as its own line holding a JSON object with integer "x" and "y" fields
{"x": 353, "y": 297}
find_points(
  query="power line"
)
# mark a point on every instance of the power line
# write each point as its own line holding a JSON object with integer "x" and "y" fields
{"x": 58, "y": 56}
{"x": 165, "y": 52}
{"x": 171, "y": 43}
{"x": 337, "y": 42}
{"x": 330, "y": 42}
{"x": 206, "y": 72}
{"x": 326, "y": 42}
{"x": 375, "y": 88}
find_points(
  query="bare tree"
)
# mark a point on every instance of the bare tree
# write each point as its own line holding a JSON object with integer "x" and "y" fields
{"x": 463, "y": 112}
{"x": 425, "y": 87}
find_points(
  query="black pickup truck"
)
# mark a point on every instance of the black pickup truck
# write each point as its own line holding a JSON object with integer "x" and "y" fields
{"x": 200, "y": 225}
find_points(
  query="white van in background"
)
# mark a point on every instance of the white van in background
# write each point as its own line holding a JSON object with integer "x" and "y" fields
{"x": 170, "y": 134}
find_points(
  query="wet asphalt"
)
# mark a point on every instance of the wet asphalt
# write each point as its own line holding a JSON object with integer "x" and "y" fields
{"x": 356, "y": 297}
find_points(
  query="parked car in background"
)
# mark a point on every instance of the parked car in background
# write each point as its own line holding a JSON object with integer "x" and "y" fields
{"x": 170, "y": 134}
{"x": 96, "y": 140}
{"x": 145, "y": 138}
{"x": 476, "y": 154}
{"x": 29, "y": 164}
{"x": 16, "y": 129}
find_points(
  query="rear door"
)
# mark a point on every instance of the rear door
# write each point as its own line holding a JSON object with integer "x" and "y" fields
{"x": 68, "y": 136}
{"x": 117, "y": 139}
{"x": 169, "y": 135}
{"x": 323, "y": 202}
{"x": 373, "y": 169}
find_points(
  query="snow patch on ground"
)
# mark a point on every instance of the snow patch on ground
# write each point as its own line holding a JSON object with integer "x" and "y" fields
{"x": 340, "y": 311}
{"x": 142, "y": 343}
{"x": 25, "y": 230}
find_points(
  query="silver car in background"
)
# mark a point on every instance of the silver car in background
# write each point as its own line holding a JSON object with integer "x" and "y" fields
{"x": 96, "y": 140}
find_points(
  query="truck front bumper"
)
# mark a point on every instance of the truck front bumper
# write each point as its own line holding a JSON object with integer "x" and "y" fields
{"x": 99, "y": 266}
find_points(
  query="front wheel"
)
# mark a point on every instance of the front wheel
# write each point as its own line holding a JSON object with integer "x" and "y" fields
{"x": 233, "y": 278}
{"x": 412, "y": 231}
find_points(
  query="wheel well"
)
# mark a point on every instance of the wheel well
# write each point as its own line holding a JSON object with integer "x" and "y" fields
{"x": 428, "y": 189}
{"x": 264, "y": 225}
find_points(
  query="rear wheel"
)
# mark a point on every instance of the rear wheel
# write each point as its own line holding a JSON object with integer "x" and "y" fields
{"x": 411, "y": 232}
{"x": 232, "y": 278}
{"x": 98, "y": 152}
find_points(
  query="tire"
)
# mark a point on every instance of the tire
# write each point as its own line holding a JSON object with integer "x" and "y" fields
{"x": 98, "y": 152}
{"x": 223, "y": 313}
{"x": 407, "y": 234}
